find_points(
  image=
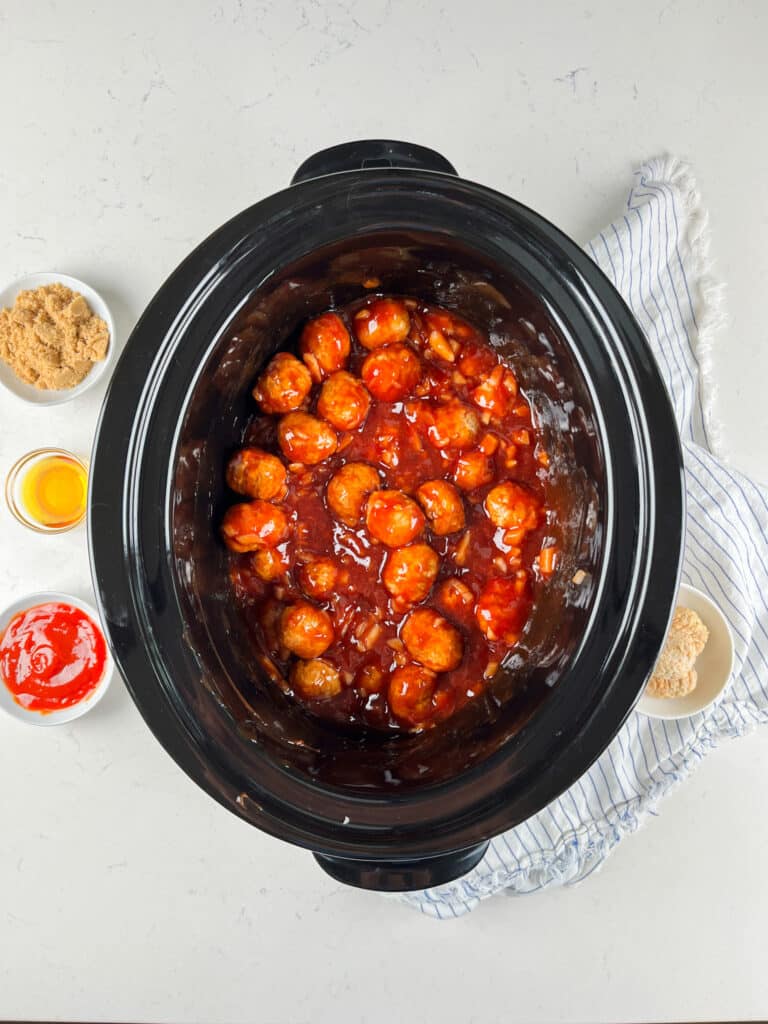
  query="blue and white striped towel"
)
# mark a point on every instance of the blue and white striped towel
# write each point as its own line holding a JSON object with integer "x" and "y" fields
{"x": 656, "y": 255}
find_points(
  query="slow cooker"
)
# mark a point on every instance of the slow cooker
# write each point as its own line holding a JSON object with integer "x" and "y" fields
{"x": 404, "y": 811}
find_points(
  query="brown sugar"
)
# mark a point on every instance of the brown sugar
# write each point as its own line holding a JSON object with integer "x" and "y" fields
{"x": 51, "y": 338}
{"x": 674, "y": 674}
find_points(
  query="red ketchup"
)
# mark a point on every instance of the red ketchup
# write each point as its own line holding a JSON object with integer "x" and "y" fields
{"x": 52, "y": 656}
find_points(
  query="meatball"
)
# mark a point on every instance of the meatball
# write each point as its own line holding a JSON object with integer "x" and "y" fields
{"x": 456, "y": 599}
{"x": 370, "y": 679}
{"x": 443, "y": 505}
{"x": 511, "y": 506}
{"x": 391, "y": 373}
{"x": 410, "y": 693}
{"x": 432, "y": 640}
{"x": 284, "y": 385}
{"x": 269, "y": 564}
{"x": 454, "y": 425}
{"x": 410, "y": 572}
{"x": 343, "y": 401}
{"x": 497, "y": 392}
{"x": 256, "y": 473}
{"x": 473, "y": 469}
{"x": 306, "y": 630}
{"x": 252, "y": 525}
{"x": 305, "y": 438}
{"x": 348, "y": 489}
{"x": 393, "y": 518}
{"x": 324, "y": 345}
{"x": 476, "y": 361}
{"x": 503, "y": 607}
{"x": 318, "y": 577}
{"x": 384, "y": 322}
{"x": 316, "y": 679}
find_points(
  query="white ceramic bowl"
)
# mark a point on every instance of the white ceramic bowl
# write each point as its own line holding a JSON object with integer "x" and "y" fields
{"x": 714, "y": 665}
{"x": 9, "y": 705}
{"x": 36, "y": 396}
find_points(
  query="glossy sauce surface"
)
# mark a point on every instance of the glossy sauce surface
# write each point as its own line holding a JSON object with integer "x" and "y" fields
{"x": 52, "y": 656}
{"x": 395, "y": 521}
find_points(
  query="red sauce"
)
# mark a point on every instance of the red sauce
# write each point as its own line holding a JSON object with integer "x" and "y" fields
{"x": 393, "y": 522}
{"x": 52, "y": 656}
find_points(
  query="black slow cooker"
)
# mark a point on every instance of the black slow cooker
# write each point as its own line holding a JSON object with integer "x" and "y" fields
{"x": 404, "y": 811}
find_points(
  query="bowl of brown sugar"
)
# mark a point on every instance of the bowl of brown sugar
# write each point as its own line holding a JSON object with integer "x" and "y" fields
{"x": 56, "y": 338}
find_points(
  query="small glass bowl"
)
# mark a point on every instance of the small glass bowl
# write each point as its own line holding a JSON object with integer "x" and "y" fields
{"x": 13, "y": 484}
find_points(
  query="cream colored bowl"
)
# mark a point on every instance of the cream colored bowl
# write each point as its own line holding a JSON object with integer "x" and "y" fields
{"x": 21, "y": 714}
{"x": 37, "y": 396}
{"x": 714, "y": 666}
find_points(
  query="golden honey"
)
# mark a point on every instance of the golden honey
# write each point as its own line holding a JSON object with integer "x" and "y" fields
{"x": 54, "y": 491}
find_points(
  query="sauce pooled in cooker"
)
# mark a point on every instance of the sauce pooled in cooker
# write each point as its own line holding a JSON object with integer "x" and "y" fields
{"x": 392, "y": 517}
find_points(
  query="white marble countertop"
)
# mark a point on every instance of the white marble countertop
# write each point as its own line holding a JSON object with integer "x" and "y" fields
{"x": 129, "y": 132}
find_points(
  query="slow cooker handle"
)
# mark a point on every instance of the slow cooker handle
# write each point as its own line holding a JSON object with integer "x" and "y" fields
{"x": 403, "y": 875}
{"x": 373, "y": 153}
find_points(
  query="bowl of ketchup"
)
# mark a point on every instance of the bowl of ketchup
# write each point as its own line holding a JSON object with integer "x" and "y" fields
{"x": 54, "y": 662}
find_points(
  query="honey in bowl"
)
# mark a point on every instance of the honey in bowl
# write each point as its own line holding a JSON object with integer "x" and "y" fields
{"x": 53, "y": 491}
{"x": 47, "y": 490}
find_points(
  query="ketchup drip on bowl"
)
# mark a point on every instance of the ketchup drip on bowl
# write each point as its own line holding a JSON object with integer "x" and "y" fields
{"x": 52, "y": 656}
{"x": 391, "y": 569}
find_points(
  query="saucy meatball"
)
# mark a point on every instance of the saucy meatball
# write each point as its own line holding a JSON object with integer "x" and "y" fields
{"x": 454, "y": 425}
{"x": 348, "y": 489}
{"x": 306, "y": 630}
{"x": 473, "y": 470}
{"x": 269, "y": 564}
{"x": 284, "y": 385}
{"x": 502, "y": 608}
{"x": 432, "y": 640}
{"x": 511, "y": 506}
{"x": 316, "y": 679}
{"x": 370, "y": 679}
{"x": 456, "y": 599}
{"x": 393, "y": 518}
{"x": 476, "y": 361}
{"x": 391, "y": 373}
{"x": 256, "y": 473}
{"x": 497, "y": 392}
{"x": 324, "y": 345}
{"x": 344, "y": 401}
{"x": 305, "y": 438}
{"x": 318, "y": 577}
{"x": 252, "y": 525}
{"x": 443, "y": 505}
{"x": 384, "y": 322}
{"x": 410, "y": 572}
{"x": 411, "y": 690}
